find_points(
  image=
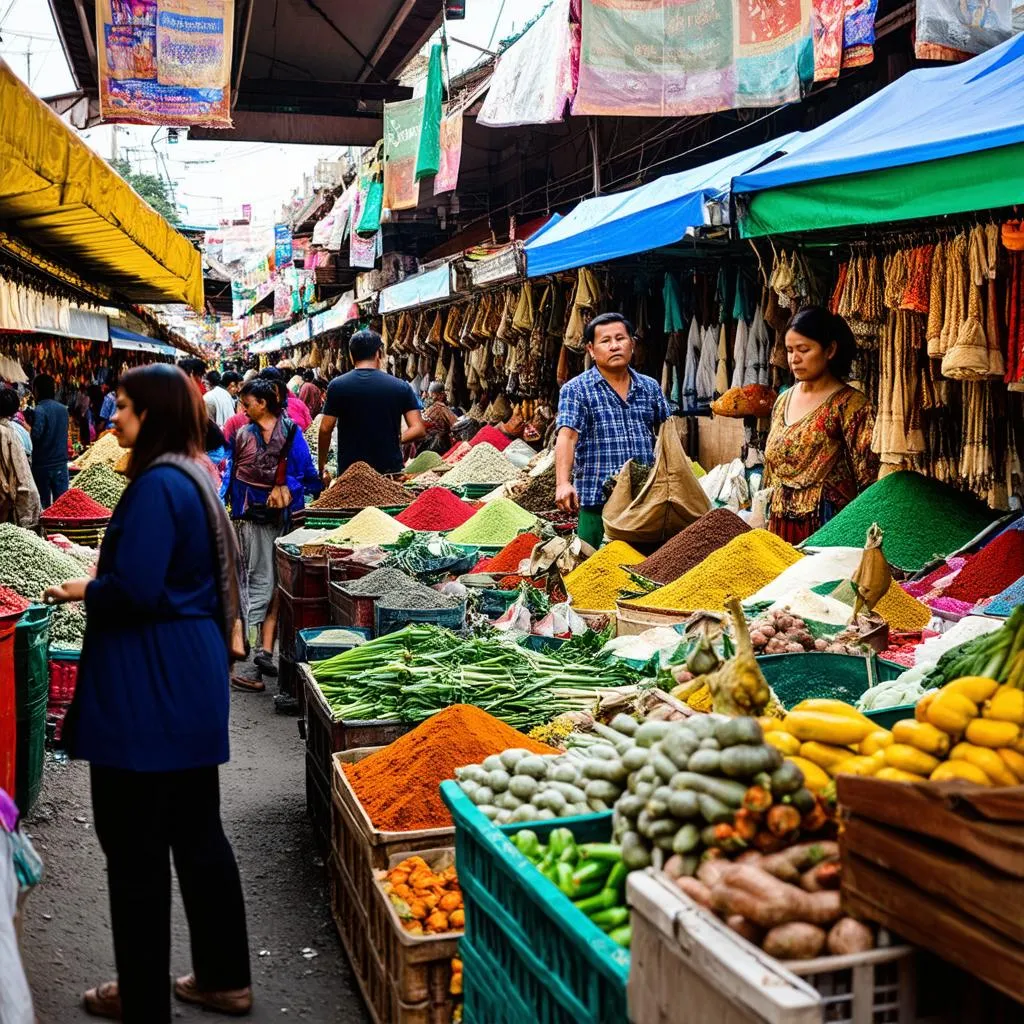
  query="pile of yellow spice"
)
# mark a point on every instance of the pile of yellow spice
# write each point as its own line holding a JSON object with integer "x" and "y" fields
{"x": 595, "y": 585}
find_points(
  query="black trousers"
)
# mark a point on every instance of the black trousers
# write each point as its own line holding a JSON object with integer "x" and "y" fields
{"x": 141, "y": 819}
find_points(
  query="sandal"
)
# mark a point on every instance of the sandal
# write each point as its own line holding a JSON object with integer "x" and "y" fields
{"x": 234, "y": 1002}
{"x": 103, "y": 1001}
{"x": 265, "y": 663}
{"x": 247, "y": 685}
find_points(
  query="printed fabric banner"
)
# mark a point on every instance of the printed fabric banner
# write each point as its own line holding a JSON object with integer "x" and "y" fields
{"x": 428, "y": 153}
{"x": 282, "y": 245}
{"x": 402, "y": 122}
{"x": 774, "y": 52}
{"x": 447, "y": 177}
{"x": 958, "y": 29}
{"x": 165, "y": 61}
{"x": 533, "y": 79}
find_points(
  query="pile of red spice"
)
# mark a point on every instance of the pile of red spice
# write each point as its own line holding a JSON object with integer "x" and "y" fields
{"x": 398, "y": 786}
{"x": 456, "y": 452}
{"x": 76, "y": 504}
{"x": 991, "y": 570}
{"x": 11, "y": 603}
{"x": 508, "y": 558}
{"x": 436, "y": 509}
{"x": 491, "y": 435}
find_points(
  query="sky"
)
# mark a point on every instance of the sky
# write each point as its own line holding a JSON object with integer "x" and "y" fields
{"x": 213, "y": 180}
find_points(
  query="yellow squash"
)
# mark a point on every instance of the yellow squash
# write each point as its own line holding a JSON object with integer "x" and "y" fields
{"x": 783, "y": 742}
{"x": 877, "y": 740}
{"x": 1006, "y": 705}
{"x": 921, "y": 708}
{"x": 951, "y": 712}
{"x": 833, "y": 707}
{"x": 859, "y": 765}
{"x": 921, "y": 735}
{"x": 950, "y": 770}
{"x": 1013, "y": 761}
{"x": 987, "y": 760}
{"x": 987, "y": 732}
{"x": 976, "y": 688}
{"x": 839, "y": 730}
{"x": 769, "y": 724}
{"x": 910, "y": 759}
{"x": 815, "y": 778}
{"x": 825, "y": 755}
{"x": 898, "y": 775}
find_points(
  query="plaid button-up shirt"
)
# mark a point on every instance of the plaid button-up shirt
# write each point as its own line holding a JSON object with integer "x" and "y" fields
{"x": 611, "y": 431}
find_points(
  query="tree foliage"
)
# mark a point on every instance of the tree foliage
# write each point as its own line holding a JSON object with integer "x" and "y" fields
{"x": 151, "y": 187}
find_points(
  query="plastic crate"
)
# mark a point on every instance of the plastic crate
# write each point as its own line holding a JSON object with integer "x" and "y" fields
{"x": 318, "y": 804}
{"x": 63, "y": 668}
{"x": 32, "y": 689}
{"x": 8, "y": 704}
{"x": 340, "y": 569}
{"x": 295, "y": 613}
{"x": 301, "y": 576}
{"x": 309, "y": 647}
{"x": 387, "y": 620}
{"x": 349, "y": 611}
{"x": 355, "y": 840}
{"x": 797, "y": 677}
{"x": 544, "y": 960}
{"x": 888, "y": 717}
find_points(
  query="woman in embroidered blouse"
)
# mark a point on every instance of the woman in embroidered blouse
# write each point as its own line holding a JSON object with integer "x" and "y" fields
{"x": 818, "y": 456}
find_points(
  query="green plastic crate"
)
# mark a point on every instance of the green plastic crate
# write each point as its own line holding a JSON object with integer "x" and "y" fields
{"x": 797, "y": 677}
{"x": 888, "y": 717}
{"x": 543, "y": 961}
{"x": 32, "y": 691}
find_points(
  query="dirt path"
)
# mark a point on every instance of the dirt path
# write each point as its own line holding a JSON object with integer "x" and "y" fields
{"x": 67, "y": 940}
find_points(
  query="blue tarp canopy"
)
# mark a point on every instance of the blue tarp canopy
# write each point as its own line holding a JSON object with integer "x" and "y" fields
{"x": 649, "y": 217}
{"x": 132, "y": 342}
{"x": 928, "y": 114}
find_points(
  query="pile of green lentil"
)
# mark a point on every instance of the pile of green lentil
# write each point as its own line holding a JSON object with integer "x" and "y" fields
{"x": 494, "y": 525}
{"x": 102, "y": 484}
{"x": 921, "y": 519}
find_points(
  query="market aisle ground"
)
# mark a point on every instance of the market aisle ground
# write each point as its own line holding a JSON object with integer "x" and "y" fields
{"x": 67, "y": 931}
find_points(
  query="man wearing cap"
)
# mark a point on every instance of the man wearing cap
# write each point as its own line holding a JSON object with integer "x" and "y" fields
{"x": 368, "y": 407}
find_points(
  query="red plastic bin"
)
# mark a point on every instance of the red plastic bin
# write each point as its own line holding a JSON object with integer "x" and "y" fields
{"x": 63, "y": 667}
{"x": 8, "y": 706}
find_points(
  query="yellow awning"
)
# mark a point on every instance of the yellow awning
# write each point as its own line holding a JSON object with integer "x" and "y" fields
{"x": 63, "y": 199}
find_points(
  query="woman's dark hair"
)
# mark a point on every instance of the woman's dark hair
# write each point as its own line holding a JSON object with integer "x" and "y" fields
{"x": 229, "y": 378}
{"x": 818, "y": 324}
{"x": 308, "y": 376}
{"x": 10, "y": 403}
{"x": 213, "y": 378}
{"x": 364, "y": 345}
{"x": 605, "y": 318}
{"x": 175, "y": 417}
{"x": 264, "y": 390}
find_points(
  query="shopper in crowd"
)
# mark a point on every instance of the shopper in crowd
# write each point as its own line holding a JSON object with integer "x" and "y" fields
{"x": 231, "y": 382}
{"x": 270, "y": 470}
{"x": 312, "y": 393}
{"x": 297, "y": 410}
{"x": 49, "y": 441}
{"x": 96, "y": 397}
{"x": 818, "y": 456}
{"x": 150, "y": 711}
{"x": 439, "y": 419}
{"x": 607, "y": 415}
{"x": 219, "y": 403}
{"x": 80, "y": 412}
{"x": 108, "y": 408}
{"x": 19, "y": 497}
{"x": 195, "y": 369}
{"x": 368, "y": 406}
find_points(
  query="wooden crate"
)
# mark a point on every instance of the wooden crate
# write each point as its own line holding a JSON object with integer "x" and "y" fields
{"x": 295, "y": 613}
{"x": 944, "y": 864}
{"x": 686, "y": 966}
{"x": 362, "y": 847}
{"x": 351, "y": 611}
{"x": 318, "y": 804}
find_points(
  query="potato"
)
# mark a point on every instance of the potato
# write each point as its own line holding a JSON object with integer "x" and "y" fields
{"x": 848, "y": 935}
{"x": 697, "y": 891}
{"x": 741, "y": 926}
{"x": 796, "y": 940}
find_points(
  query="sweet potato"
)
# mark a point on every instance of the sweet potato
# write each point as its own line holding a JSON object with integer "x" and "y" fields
{"x": 749, "y": 857}
{"x": 796, "y": 940}
{"x": 697, "y": 891}
{"x": 763, "y": 899}
{"x": 741, "y": 926}
{"x": 674, "y": 867}
{"x": 788, "y": 864}
{"x": 822, "y": 876}
{"x": 848, "y": 935}
{"x": 714, "y": 870}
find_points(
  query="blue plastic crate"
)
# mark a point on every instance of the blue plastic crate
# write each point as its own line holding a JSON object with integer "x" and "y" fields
{"x": 308, "y": 647}
{"x": 543, "y": 960}
{"x": 390, "y": 619}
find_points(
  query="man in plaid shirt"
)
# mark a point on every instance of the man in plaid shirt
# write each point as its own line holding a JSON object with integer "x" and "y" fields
{"x": 606, "y": 416}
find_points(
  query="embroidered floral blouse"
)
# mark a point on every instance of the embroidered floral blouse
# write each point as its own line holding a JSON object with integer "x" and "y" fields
{"x": 824, "y": 456}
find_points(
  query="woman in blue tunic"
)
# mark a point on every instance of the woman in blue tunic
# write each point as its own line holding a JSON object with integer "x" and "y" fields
{"x": 151, "y": 709}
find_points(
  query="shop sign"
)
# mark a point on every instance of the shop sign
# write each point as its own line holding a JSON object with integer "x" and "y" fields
{"x": 418, "y": 290}
{"x": 455, "y": 10}
{"x": 282, "y": 245}
{"x": 499, "y": 267}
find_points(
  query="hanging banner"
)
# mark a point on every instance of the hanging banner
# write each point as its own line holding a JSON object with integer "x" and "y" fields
{"x": 859, "y": 33}
{"x": 428, "y": 153}
{"x": 958, "y": 29}
{"x": 282, "y": 245}
{"x": 774, "y": 52}
{"x": 447, "y": 177}
{"x": 402, "y": 122}
{"x": 533, "y": 80}
{"x": 165, "y": 62}
{"x": 656, "y": 58}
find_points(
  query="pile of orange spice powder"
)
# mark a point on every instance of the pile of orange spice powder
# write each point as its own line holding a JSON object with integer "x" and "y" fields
{"x": 398, "y": 785}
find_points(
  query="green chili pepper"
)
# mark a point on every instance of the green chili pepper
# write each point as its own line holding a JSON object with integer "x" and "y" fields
{"x": 604, "y": 900}
{"x": 590, "y": 871}
{"x": 617, "y": 878}
{"x": 623, "y": 936}
{"x": 601, "y": 851}
{"x": 609, "y": 920}
{"x": 563, "y": 872}
{"x": 560, "y": 840}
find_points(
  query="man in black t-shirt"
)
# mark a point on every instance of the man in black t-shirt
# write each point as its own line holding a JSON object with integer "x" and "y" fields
{"x": 368, "y": 405}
